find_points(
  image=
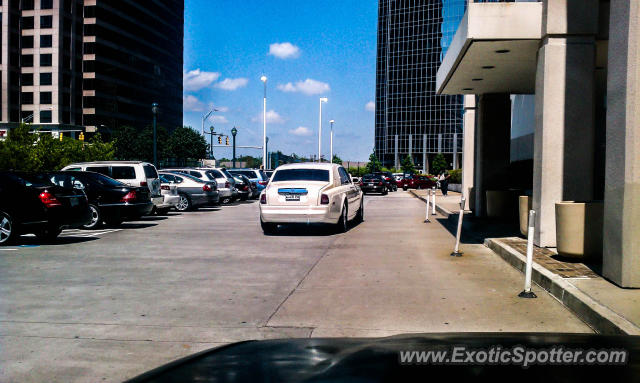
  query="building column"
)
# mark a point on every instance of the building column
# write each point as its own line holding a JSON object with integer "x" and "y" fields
{"x": 621, "y": 247}
{"x": 425, "y": 161}
{"x": 563, "y": 158}
{"x": 396, "y": 162}
{"x": 468, "y": 144}
{"x": 492, "y": 147}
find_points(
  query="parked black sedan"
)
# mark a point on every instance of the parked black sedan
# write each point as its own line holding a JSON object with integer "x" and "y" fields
{"x": 374, "y": 183}
{"x": 110, "y": 201}
{"x": 32, "y": 204}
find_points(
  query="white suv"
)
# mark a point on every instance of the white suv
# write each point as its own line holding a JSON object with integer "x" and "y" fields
{"x": 221, "y": 176}
{"x": 132, "y": 173}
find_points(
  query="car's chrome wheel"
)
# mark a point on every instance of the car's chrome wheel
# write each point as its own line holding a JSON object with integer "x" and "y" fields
{"x": 343, "y": 222}
{"x": 95, "y": 218}
{"x": 6, "y": 229}
{"x": 184, "y": 204}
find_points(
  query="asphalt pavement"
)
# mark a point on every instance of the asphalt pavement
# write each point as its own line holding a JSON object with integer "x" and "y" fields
{"x": 107, "y": 305}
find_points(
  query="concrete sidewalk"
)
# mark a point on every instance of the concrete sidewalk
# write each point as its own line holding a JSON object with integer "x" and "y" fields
{"x": 393, "y": 274}
{"x": 606, "y": 307}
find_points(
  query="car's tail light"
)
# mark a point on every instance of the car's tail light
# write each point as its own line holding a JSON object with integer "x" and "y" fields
{"x": 380, "y": 183}
{"x": 263, "y": 182}
{"x": 360, "y": 183}
{"x": 165, "y": 187}
{"x": 143, "y": 183}
{"x": 388, "y": 179}
{"x": 206, "y": 187}
{"x": 324, "y": 199}
{"x": 227, "y": 184}
{"x": 263, "y": 199}
{"x": 129, "y": 197}
{"x": 49, "y": 200}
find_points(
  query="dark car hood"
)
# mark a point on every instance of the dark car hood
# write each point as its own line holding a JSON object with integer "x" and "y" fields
{"x": 377, "y": 360}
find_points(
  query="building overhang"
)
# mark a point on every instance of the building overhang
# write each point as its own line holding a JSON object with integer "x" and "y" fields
{"x": 493, "y": 51}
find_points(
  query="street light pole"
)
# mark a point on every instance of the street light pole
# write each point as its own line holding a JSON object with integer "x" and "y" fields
{"x": 204, "y": 118}
{"x": 154, "y": 110}
{"x": 234, "y": 131}
{"x": 322, "y": 99}
{"x": 264, "y": 123}
{"x": 331, "y": 142}
{"x": 266, "y": 152}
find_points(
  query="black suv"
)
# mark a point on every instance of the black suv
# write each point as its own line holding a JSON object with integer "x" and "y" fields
{"x": 374, "y": 183}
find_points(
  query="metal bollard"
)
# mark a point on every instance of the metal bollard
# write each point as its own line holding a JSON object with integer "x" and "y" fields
{"x": 433, "y": 200}
{"x": 527, "y": 293}
{"x": 456, "y": 250}
{"x": 426, "y": 219}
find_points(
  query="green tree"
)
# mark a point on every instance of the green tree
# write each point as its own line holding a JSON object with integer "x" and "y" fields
{"x": 407, "y": 165}
{"x": 185, "y": 143}
{"x": 439, "y": 164}
{"x": 135, "y": 144}
{"x": 336, "y": 160}
{"x": 374, "y": 164}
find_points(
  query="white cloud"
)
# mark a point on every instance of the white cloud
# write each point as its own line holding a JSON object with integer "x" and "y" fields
{"x": 284, "y": 50}
{"x": 232, "y": 83}
{"x": 272, "y": 118}
{"x": 197, "y": 79}
{"x": 219, "y": 119}
{"x": 192, "y": 104}
{"x": 300, "y": 131}
{"x": 308, "y": 87}
{"x": 370, "y": 106}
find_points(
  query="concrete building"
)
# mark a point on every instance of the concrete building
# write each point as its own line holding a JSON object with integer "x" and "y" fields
{"x": 91, "y": 64}
{"x": 411, "y": 119}
{"x": 554, "y": 85}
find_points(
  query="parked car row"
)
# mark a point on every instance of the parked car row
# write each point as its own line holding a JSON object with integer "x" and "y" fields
{"x": 88, "y": 195}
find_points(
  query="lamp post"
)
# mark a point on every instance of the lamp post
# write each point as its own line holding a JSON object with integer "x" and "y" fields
{"x": 266, "y": 152}
{"x": 154, "y": 110}
{"x": 234, "y": 131}
{"x": 331, "y": 142}
{"x": 204, "y": 118}
{"x": 264, "y": 123}
{"x": 322, "y": 99}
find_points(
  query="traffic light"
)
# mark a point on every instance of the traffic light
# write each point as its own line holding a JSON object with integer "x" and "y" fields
{"x": 227, "y": 141}
{"x": 219, "y": 140}
{"x": 81, "y": 136}
{"x": 61, "y": 134}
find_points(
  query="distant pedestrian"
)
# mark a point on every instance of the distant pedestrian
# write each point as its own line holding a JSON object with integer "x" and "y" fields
{"x": 444, "y": 182}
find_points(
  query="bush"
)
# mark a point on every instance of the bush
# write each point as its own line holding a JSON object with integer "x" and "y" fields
{"x": 456, "y": 176}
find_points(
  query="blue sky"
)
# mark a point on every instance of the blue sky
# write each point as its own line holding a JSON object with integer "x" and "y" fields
{"x": 307, "y": 49}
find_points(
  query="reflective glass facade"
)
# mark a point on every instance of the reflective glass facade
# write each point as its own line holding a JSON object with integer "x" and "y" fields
{"x": 413, "y": 36}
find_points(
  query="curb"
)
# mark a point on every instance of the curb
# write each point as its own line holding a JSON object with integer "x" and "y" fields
{"x": 599, "y": 317}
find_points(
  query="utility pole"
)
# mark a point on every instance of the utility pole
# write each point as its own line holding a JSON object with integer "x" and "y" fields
{"x": 154, "y": 110}
{"x": 234, "y": 131}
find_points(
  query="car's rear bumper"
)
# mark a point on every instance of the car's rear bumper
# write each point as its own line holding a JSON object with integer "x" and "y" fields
{"x": 373, "y": 189}
{"x": 127, "y": 210}
{"x": 157, "y": 200}
{"x": 297, "y": 214}
{"x": 169, "y": 201}
{"x": 69, "y": 218}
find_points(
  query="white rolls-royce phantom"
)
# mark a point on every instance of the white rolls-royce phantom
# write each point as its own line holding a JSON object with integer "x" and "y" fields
{"x": 310, "y": 193}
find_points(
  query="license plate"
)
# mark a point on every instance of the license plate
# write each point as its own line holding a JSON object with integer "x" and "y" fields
{"x": 292, "y": 197}
{"x": 74, "y": 201}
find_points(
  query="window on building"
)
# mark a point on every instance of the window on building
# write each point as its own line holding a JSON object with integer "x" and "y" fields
{"x": 45, "y": 98}
{"x": 26, "y": 98}
{"x": 46, "y": 4}
{"x": 46, "y": 41}
{"x": 46, "y": 22}
{"x": 26, "y": 79}
{"x": 27, "y": 5}
{"x": 45, "y": 59}
{"x": 27, "y": 41}
{"x": 46, "y": 79}
{"x": 26, "y": 60}
{"x": 45, "y": 116}
{"x": 27, "y": 22}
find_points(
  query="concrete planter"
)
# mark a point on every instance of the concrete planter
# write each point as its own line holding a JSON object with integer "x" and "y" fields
{"x": 500, "y": 204}
{"x": 523, "y": 209}
{"x": 579, "y": 229}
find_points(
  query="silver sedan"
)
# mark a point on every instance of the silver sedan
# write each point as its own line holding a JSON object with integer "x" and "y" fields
{"x": 193, "y": 192}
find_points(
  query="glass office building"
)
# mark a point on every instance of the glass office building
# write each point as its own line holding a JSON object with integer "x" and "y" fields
{"x": 411, "y": 119}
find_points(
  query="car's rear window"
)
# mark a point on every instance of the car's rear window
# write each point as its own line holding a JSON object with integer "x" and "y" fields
{"x": 105, "y": 181}
{"x": 213, "y": 174}
{"x": 248, "y": 173}
{"x": 226, "y": 173}
{"x": 123, "y": 172}
{"x": 263, "y": 174}
{"x": 36, "y": 180}
{"x": 301, "y": 175}
{"x": 149, "y": 171}
{"x": 375, "y": 177}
